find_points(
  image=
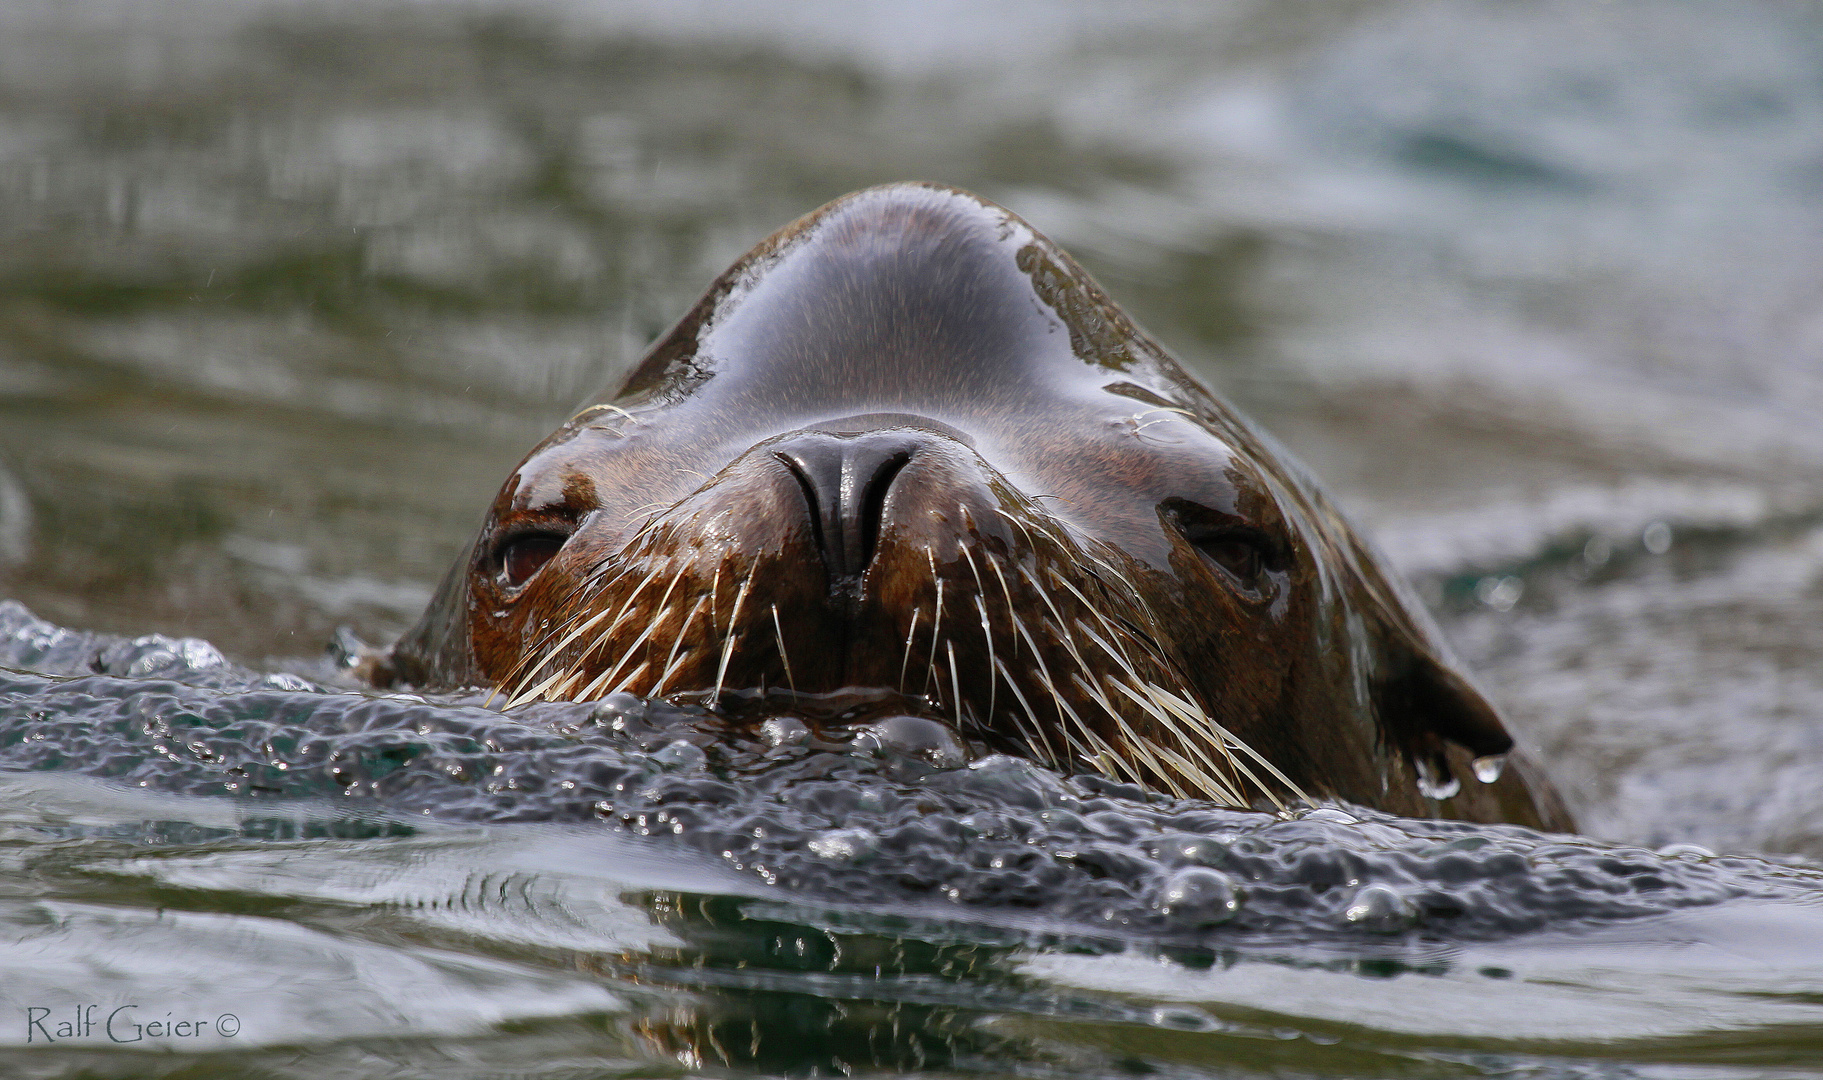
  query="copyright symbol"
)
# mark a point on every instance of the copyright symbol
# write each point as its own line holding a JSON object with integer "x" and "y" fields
{"x": 228, "y": 1025}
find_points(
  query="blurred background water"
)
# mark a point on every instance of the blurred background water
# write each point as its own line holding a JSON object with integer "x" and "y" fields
{"x": 1536, "y": 288}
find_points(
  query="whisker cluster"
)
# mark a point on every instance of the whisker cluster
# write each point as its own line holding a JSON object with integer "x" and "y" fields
{"x": 1055, "y": 621}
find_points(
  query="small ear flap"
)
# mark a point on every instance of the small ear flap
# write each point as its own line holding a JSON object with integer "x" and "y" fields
{"x": 436, "y": 653}
{"x": 1422, "y": 701}
{"x": 1426, "y": 711}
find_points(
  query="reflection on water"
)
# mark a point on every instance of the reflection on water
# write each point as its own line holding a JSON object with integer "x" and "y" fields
{"x": 286, "y": 289}
{"x": 554, "y": 951}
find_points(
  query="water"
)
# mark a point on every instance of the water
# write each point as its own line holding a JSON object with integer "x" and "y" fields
{"x": 286, "y": 290}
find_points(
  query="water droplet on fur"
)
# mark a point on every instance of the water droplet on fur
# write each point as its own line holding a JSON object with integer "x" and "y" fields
{"x": 1433, "y": 787}
{"x": 1488, "y": 769}
{"x": 1382, "y": 909}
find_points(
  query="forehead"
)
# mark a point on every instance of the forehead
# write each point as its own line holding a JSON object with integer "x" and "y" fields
{"x": 930, "y": 306}
{"x": 915, "y": 304}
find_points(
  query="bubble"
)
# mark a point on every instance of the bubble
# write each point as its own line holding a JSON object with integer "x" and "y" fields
{"x": 283, "y": 681}
{"x": 779, "y": 731}
{"x": 1656, "y": 537}
{"x": 1183, "y": 1019}
{"x": 1695, "y": 851}
{"x": 843, "y": 845}
{"x": 1381, "y": 909}
{"x": 1198, "y": 850}
{"x": 622, "y": 713}
{"x": 1597, "y": 551}
{"x": 1006, "y": 837}
{"x": 985, "y": 824}
{"x": 1015, "y": 781}
{"x": 915, "y": 737}
{"x": 1499, "y": 593}
{"x": 680, "y": 756}
{"x": 157, "y": 655}
{"x": 1196, "y": 897}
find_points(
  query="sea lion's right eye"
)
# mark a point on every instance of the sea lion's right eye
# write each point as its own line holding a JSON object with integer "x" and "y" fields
{"x": 523, "y": 555}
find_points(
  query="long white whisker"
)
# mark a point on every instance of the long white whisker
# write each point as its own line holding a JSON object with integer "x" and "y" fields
{"x": 1036, "y": 729}
{"x": 779, "y": 630}
{"x": 1208, "y": 774}
{"x": 567, "y": 639}
{"x": 993, "y": 685}
{"x": 1012, "y": 608}
{"x": 631, "y": 676}
{"x": 517, "y": 692}
{"x": 936, "y": 629}
{"x": 1193, "y": 740}
{"x": 672, "y": 660}
{"x": 987, "y": 628}
{"x": 1196, "y": 716}
{"x": 1063, "y": 705}
{"x": 734, "y": 618}
{"x": 652, "y": 625}
{"x": 715, "y": 598}
{"x": 955, "y": 683}
{"x": 910, "y": 634}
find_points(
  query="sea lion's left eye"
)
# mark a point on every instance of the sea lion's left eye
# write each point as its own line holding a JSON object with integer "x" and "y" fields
{"x": 1240, "y": 556}
{"x": 1243, "y": 553}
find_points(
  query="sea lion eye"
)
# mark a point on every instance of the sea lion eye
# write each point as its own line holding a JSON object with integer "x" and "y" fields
{"x": 1244, "y": 554}
{"x": 525, "y": 554}
{"x": 1240, "y": 556}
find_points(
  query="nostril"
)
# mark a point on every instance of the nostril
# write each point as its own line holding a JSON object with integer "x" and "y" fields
{"x": 873, "y": 502}
{"x": 846, "y": 481}
{"x": 814, "y": 500}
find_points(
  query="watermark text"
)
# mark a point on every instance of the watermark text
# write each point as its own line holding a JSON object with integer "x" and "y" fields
{"x": 130, "y": 1023}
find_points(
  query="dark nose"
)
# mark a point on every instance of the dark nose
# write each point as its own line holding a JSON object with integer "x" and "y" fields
{"x": 845, "y": 480}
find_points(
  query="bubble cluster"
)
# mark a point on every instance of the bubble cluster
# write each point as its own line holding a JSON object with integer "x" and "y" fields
{"x": 885, "y": 813}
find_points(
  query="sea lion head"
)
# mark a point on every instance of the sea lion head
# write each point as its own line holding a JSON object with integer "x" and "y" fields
{"x": 907, "y": 445}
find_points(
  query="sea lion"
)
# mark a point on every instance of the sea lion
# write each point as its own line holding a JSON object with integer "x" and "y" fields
{"x": 907, "y": 445}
